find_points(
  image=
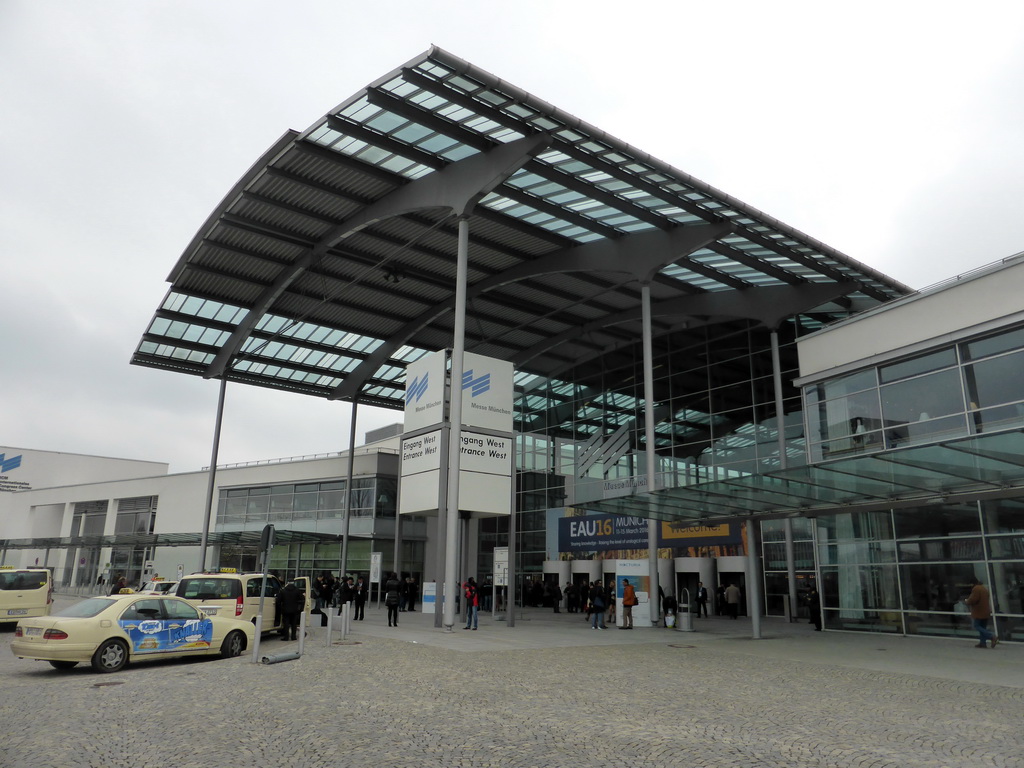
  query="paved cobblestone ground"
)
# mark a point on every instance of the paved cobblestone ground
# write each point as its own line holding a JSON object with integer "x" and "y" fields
{"x": 642, "y": 698}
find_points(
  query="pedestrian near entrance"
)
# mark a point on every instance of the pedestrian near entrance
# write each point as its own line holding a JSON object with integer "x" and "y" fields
{"x": 345, "y": 593}
{"x": 556, "y": 596}
{"x": 732, "y": 600}
{"x": 597, "y": 603}
{"x": 290, "y": 602}
{"x": 359, "y": 598}
{"x": 392, "y": 597}
{"x": 472, "y": 604}
{"x": 701, "y": 597}
{"x": 980, "y": 603}
{"x": 628, "y": 601}
{"x": 814, "y": 606}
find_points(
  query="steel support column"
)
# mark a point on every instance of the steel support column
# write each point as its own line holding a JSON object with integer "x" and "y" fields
{"x": 754, "y": 582}
{"x": 455, "y": 438}
{"x": 780, "y": 429}
{"x": 211, "y": 483}
{"x": 346, "y": 512}
{"x": 652, "y": 525}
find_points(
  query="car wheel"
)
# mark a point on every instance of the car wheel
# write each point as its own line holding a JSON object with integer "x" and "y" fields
{"x": 111, "y": 656}
{"x": 63, "y": 665}
{"x": 233, "y": 645}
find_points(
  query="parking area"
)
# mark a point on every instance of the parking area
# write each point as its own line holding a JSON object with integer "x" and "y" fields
{"x": 548, "y": 692}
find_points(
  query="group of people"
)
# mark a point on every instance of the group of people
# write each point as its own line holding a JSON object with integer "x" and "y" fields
{"x": 331, "y": 593}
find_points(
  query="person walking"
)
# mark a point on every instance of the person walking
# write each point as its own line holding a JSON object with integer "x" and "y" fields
{"x": 556, "y": 596}
{"x": 628, "y": 601}
{"x": 980, "y": 604}
{"x": 290, "y": 602}
{"x": 472, "y": 604}
{"x": 814, "y": 607}
{"x": 359, "y": 598}
{"x": 598, "y": 598}
{"x": 392, "y": 597}
{"x": 345, "y": 593}
{"x": 732, "y": 600}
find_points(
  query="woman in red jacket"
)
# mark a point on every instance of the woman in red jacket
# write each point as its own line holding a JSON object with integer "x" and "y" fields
{"x": 628, "y": 601}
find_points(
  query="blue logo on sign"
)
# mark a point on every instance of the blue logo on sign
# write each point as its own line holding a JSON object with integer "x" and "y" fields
{"x": 6, "y": 465}
{"x": 476, "y": 386}
{"x": 416, "y": 389}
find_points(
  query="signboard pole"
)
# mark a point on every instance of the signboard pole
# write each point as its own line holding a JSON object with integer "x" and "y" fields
{"x": 266, "y": 544}
{"x": 454, "y": 452}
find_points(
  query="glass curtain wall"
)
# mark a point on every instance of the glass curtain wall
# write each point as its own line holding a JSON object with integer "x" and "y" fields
{"x": 715, "y": 417}
{"x": 319, "y": 507}
{"x": 88, "y": 519}
{"x": 776, "y": 572}
{"x": 908, "y": 570}
{"x": 968, "y": 388}
{"x": 134, "y": 515}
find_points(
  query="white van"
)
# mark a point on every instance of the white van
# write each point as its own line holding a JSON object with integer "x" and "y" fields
{"x": 237, "y": 595}
{"x": 24, "y": 592}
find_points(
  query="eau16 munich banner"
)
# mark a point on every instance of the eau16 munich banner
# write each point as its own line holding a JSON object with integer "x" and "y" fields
{"x": 599, "y": 533}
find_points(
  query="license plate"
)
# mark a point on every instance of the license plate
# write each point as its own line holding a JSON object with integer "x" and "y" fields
{"x": 33, "y": 630}
{"x": 211, "y": 610}
{"x": 17, "y": 611}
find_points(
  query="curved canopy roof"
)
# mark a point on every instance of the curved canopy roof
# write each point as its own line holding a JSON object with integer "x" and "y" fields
{"x": 331, "y": 264}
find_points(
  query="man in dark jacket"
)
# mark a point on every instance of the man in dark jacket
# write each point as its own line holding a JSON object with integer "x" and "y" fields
{"x": 290, "y": 602}
{"x": 346, "y": 591}
{"x": 359, "y": 596}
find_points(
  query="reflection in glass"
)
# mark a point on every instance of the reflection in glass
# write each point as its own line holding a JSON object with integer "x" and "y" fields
{"x": 854, "y": 588}
{"x": 926, "y": 522}
{"x": 941, "y": 549}
{"x": 937, "y": 586}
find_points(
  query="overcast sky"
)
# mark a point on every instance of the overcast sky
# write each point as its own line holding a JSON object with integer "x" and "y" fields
{"x": 891, "y": 131}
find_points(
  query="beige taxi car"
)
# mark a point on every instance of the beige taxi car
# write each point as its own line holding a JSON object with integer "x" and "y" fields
{"x": 229, "y": 593}
{"x": 158, "y": 586}
{"x": 110, "y": 631}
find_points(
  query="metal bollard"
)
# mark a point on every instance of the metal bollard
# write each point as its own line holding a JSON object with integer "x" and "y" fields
{"x": 256, "y": 639}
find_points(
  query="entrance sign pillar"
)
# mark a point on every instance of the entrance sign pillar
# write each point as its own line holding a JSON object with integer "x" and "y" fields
{"x": 455, "y": 437}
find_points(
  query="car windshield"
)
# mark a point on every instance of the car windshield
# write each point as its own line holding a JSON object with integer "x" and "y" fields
{"x": 86, "y": 609}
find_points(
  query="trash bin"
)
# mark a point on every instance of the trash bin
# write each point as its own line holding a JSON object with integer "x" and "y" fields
{"x": 685, "y": 620}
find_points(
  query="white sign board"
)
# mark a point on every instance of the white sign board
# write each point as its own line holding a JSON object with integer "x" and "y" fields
{"x": 487, "y": 392}
{"x": 484, "y": 453}
{"x": 501, "y": 566}
{"x": 421, "y": 453}
{"x": 376, "y": 558}
{"x": 429, "y": 599}
{"x": 424, "y": 391}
